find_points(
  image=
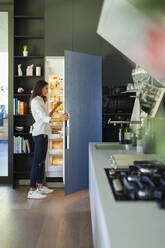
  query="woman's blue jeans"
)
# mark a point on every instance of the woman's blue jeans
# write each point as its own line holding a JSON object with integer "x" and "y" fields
{"x": 38, "y": 166}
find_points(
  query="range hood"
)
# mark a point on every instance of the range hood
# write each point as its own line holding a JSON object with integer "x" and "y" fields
{"x": 135, "y": 34}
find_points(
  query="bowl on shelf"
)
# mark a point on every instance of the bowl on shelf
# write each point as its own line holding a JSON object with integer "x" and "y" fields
{"x": 22, "y": 129}
{"x": 19, "y": 129}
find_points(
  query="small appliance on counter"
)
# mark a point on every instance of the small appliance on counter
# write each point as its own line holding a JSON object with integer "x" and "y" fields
{"x": 143, "y": 181}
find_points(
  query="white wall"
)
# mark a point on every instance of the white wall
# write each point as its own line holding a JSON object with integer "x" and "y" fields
{"x": 3, "y": 31}
{"x": 4, "y": 58}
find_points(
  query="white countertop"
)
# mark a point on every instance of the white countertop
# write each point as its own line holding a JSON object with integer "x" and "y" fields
{"x": 129, "y": 224}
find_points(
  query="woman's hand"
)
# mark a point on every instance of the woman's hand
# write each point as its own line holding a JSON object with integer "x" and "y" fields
{"x": 56, "y": 105}
{"x": 65, "y": 117}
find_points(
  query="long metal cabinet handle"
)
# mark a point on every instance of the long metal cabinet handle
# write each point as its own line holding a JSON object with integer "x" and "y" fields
{"x": 67, "y": 134}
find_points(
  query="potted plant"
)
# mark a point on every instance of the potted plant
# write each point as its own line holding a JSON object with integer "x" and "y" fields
{"x": 25, "y": 51}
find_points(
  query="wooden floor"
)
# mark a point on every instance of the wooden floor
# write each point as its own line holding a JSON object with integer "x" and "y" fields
{"x": 56, "y": 222}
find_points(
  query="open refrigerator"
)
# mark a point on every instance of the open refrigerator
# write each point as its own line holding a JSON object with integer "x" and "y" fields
{"x": 54, "y": 73}
{"x": 75, "y": 80}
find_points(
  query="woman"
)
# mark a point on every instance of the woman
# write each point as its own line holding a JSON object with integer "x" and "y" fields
{"x": 40, "y": 137}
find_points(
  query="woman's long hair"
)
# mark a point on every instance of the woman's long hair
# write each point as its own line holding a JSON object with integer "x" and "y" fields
{"x": 37, "y": 90}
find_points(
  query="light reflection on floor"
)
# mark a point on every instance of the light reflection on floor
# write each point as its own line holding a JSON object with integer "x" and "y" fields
{"x": 3, "y": 157}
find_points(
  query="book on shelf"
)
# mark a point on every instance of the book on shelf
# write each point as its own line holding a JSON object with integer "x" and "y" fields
{"x": 14, "y": 106}
{"x": 27, "y": 146}
{"x": 19, "y": 107}
{"x": 21, "y": 145}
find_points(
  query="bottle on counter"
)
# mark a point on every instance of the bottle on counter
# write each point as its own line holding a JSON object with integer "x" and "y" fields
{"x": 121, "y": 135}
{"x": 134, "y": 140}
{"x": 139, "y": 146}
{"x": 149, "y": 141}
{"x": 127, "y": 135}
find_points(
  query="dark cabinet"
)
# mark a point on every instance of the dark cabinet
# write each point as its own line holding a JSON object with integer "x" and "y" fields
{"x": 117, "y": 108}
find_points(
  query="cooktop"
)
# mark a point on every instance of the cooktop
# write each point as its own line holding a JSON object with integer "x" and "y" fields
{"x": 142, "y": 181}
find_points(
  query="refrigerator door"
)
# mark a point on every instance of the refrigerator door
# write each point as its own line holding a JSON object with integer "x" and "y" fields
{"x": 83, "y": 103}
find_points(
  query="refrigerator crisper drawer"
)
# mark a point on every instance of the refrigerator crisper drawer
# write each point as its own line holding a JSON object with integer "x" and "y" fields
{"x": 56, "y": 145}
{"x": 55, "y": 160}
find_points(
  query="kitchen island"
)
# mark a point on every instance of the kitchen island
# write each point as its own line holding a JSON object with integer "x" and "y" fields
{"x": 127, "y": 224}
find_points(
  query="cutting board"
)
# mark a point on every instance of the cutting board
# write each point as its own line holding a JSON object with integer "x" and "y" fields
{"x": 127, "y": 159}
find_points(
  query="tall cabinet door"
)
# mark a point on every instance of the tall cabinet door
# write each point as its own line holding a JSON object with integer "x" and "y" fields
{"x": 83, "y": 103}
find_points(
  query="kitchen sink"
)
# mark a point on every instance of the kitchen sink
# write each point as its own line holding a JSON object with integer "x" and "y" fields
{"x": 110, "y": 146}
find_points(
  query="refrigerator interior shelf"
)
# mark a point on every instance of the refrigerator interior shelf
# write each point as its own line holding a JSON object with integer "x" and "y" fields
{"x": 55, "y": 136}
{"x": 56, "y": 126}
{"x": 56, "y": 139}
{"x": 55, "y": 87}
{"x": 53, "y": 100}
{"x": 56, "y": 158}
{"x": 57, "y": 95}
{"x": 57, "y": 165}
{"x": 57, "y": 123}
{"x": 56, "y": 152}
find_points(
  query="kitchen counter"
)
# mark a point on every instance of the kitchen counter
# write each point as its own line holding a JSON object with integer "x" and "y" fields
{"x": 120, "y": 224}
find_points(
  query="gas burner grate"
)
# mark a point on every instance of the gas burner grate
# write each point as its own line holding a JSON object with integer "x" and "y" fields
{"x": 143, "y": 181}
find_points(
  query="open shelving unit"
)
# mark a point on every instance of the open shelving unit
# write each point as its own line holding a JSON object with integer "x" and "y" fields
{"x": 28, "y": 30}
{"x": 28, "y": 57}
